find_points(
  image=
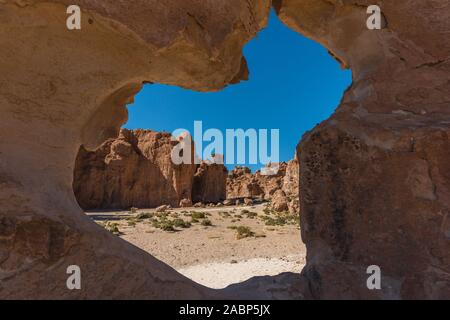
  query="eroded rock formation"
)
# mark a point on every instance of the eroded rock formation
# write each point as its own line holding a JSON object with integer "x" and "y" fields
{"x": 60, "y": 89}
{"x": 134, "y": 170}
{"x": 374, "y": 177}
{"x": 374, "y": 182}
{"x": 210, "y": 183}
{"x": 274, "y": 182}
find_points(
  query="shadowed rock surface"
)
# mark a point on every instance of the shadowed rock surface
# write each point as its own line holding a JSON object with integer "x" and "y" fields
{"x": 374, "y": 178}
{"x": 210, "y": 183}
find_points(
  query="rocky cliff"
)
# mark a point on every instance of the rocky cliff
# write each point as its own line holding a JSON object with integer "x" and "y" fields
{"x": 275, "y": 183}
{"x": 136, "y": 170}
{"x": 210, "y": 183}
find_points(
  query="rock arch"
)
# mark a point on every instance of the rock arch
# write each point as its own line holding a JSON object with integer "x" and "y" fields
{"x": 374, "y": 177}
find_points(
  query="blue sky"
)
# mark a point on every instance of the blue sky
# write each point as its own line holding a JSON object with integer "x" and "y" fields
{"x": 294, "y": 84}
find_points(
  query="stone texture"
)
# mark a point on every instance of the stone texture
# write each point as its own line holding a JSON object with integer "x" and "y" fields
{"x": 374, "y": 180}
{"x": 280, "y": 202}
{"x": 61, "y": 89}
{"x": 210, "y": 183}
{"x": 134, "y": 170}
{"x": 284, "y": 177}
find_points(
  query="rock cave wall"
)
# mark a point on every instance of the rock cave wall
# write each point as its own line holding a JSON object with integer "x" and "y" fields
{"x": 374, "y": 178}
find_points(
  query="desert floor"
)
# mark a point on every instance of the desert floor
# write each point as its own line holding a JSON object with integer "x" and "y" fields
{"x": 238, "y": 244}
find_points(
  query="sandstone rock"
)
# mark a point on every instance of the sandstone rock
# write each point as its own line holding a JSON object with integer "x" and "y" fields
{"x": 70, "y": 90}
{"x": 241, "y": 183}
{"x": 294, "y": 206}
{"x": 186, "y": 203}
{"x": 291, "y": 179}
{"x": 210, "y": 183}
{"x": 199, "y": 205}
{"x": 228, "y": 202}
{"x": 365, "y": 196}
{"x": 280, "y": 201}
{"x": 248, "y": 202}
{"x": 362, "y": 175}
{"x": 162, "y": 208}
{"x": 135, "y": 169}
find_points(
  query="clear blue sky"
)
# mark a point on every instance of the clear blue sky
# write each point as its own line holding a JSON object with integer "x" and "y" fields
{"x": 294, "y": 84}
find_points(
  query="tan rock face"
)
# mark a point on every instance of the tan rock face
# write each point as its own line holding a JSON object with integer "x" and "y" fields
{"x": 374, "y": 183}
{"x": 374, "y": 177}
{"x": 70, "y": 90}
{"x": 134, "y": 170}
{"x": 210, "y": 183}
{"x": 241, "y": 184}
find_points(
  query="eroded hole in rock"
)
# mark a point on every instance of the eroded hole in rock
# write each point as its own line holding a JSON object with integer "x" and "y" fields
{"x": 216, "y": 224}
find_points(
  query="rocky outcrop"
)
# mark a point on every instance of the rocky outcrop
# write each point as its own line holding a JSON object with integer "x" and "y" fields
{"x": 210, "y": 183}
{"x": 241, "y": 183}
{"x": 134, "y": 170}
{"x": 71, "y": 90}
{"x": 278, "y": 181}
{"x": 374, "y": 184}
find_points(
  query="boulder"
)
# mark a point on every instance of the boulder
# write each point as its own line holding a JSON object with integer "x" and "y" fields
{"x": 280, "y": 202}
{"x": 185, "y": 203}
{"x": 228, "y": 202}
{"x": 162, "y": 208}
{"x": 248, "y": 202}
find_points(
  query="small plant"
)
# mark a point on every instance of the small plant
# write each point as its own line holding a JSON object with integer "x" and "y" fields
{"x": 144, "y": 215}
{"x": 198, "y": 215}
{"x": 180, "y": 223}
{"x": 225, "y": 214}
{"x": 282, "y": 219}
{"x": 164, "y": 225}
{"x": 161, "y": 215}
{"x": 244, "y": 232}
{"x": 113, "y": 228}
{"x": 251, "y": 215}
{"x": 206, "y": 223}
{"x": 131, "y": 223}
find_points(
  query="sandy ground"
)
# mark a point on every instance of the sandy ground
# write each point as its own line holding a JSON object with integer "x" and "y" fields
{"x": 212, "y": 255}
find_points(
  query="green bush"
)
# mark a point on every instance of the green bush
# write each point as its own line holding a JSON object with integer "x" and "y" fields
{"x": 113, "y": 228}
{"x": 244, "y": 232}
{"x": 144, "y": 215}
{"x": 180, "y": 223}
{"x": 198, "y": 215}
{"x": 206, "y": 223}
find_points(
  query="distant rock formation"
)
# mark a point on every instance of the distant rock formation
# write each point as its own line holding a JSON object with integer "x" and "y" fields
{"x": 136, "y": 170}
{"x": 210, "y": 183}
{"x": 281, "y": 186}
